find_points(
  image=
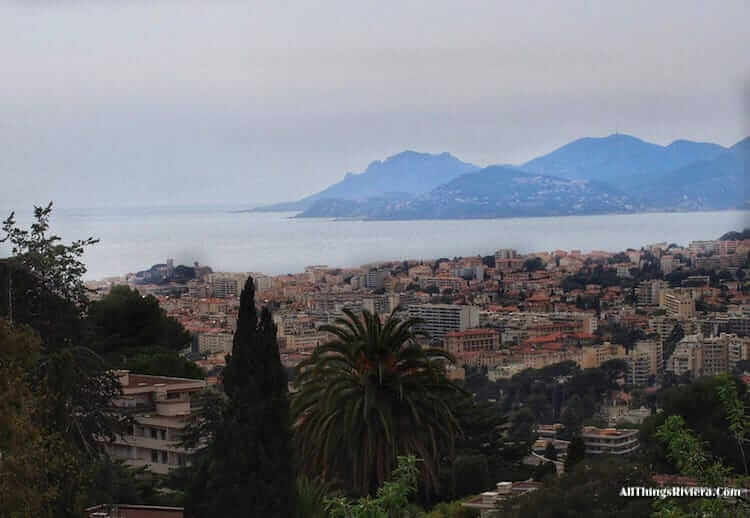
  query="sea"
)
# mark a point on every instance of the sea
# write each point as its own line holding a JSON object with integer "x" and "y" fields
{"x": 133, "y": 239}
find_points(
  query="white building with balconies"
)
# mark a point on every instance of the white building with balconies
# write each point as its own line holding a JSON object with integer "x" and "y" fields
{"x": 160, "y": 408}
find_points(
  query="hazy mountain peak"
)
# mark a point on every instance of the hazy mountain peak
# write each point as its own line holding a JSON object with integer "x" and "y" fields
{"x": 742, "y": 145}
{"x": 407, "y": 173}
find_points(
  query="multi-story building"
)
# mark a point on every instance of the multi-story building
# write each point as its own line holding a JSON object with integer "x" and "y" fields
{"x": 594, "y": 355}
{"x": 707, "y": 356}
{"x": 160, "y": 408}
{"x": 687, "y": 357}
{"x": 439, "y": 319}
{"x": 609, "y": 441}
{"x": 598, "y": 441}
{"x": 472, "y": 340}
{"x": 647, "y": 292}
{"x": 679, "y": 304}
{"x": 374, "y": 279}
{"x": 644, "y": 361}
{"x": 215, "y": 342}
{"x": 738, "y": 350}
{"x": 442, "y": 282}
{"x": 380, "y": 303}
{"x": 226, "y": 284}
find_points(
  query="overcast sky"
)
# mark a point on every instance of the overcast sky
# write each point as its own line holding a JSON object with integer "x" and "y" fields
{"x": 157, "y": 102}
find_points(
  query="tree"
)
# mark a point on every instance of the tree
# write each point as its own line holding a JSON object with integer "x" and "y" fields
{"x": 133, "y": 332}
{"x": 573, "y": 415}
{"x": 370, "y": 395}
{"x": 591, "y": 489}
{"x": 700, "y": 405}
{"x": 391, "y": 499}
{"x": 532, "y": 265}
{"x": 247, "y": 469}
{"x": 550, "y": 452}
{"x": 124, "y": 321}
{"x": 24, "y": 487}
{"x": 576, "y": 452}
{"x": 64, "y": 389}
{"x": 312, "y": 495}
{"x": 56, "y": 267}
{"x": 543, "y": 470}
{"x": 686, "y": 451}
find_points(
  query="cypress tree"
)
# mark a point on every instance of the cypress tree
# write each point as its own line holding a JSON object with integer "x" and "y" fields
{"x": 248, "y": 469}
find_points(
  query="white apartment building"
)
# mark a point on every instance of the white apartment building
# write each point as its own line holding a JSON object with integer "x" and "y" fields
{"x": 648, "y": 292}
{"x": 609, "y": 441}
{"x": 226, "y": 284}
{"x": 644, "y": 361}
{"x": 439, "y": 319}
{"x": 215, "y": 342}
{"x": 160, "y": 407}
{"x": 707, "y": 356}
{"x": 679, "y": 304}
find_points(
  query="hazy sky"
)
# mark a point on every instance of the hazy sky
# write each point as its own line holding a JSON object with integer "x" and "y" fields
{"x": 160, "y": 102}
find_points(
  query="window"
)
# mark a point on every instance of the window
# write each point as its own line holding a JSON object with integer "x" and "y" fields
{"x": 154, "y": 455}
{"x": 173, "y": 395}
{"x": 153, "y": 433}
{"x": 164, "y": 457}
{"x": 163, "y": 434}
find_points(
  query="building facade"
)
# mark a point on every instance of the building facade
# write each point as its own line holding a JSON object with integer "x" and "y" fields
{"x": 160, "y": 408}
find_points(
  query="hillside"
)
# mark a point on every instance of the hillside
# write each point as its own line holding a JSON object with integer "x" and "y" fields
{"x": 618, "y": 173}
{"x": 719, "y": 183}
{"x": 623, "y": 161}
{"x": 407, "y": 173}
{"x": 496, "y": 191}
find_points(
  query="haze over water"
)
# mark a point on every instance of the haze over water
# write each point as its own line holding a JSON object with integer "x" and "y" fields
{"x": 273, "y": 243}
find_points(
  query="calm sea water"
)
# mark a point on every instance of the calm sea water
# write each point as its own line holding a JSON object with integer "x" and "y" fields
{"x": 273, "y": 243}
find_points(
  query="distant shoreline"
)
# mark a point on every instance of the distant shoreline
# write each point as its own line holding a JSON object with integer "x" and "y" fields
{"x": 485, "y": 218}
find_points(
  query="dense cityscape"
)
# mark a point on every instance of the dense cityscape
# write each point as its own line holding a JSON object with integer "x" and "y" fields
{"x": 394, "y": 259}
{"x": 648, "y": 320}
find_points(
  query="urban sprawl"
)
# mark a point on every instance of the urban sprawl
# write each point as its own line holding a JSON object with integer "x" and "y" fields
{"x": 502, "y": 313}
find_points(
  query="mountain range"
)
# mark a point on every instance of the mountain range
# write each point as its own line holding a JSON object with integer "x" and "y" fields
{"x": 613, "y": 174}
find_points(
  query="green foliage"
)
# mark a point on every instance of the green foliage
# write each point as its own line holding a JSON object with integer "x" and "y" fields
{"x": 699, "y": 404}
{"x": 544, "y": 470}
{"x": 59, "y": 391}
{"x": 470, "y": 475}
{"x": 572, "y": 416}
{"x": 56, "y": 267}
{"x": 163, "y": 363}
{"x": 532, "y": 265}
{"x": 370, "y": 395}
{"x": 576, "y": 452}
{"x": 123, "y": 321}
{"x": 591, "y": 489}
{"x": 620, "y": 257}
{"x": 134, "y": 333}
{"x": 550, "y": 452}
{"x": 246, "y": 468}
{"x": 483, "y": 454}
{"x": 391, "y": 499}
{"x": 23, "y": 444}
{"x": 546, "y": 392}
{"x": 452, "y": 510}
{"x": 311, "y": 497}
{"x": 737, "y": 416}
{"x": 597, "y": 275}
{"x": 685, "y": 451}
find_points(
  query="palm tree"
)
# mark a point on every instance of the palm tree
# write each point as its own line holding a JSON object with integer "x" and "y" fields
{"x": 370, "y": 395}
